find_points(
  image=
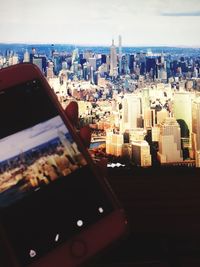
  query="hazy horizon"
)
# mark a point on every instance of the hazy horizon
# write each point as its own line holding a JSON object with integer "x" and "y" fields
{"x": 100, "y": 45}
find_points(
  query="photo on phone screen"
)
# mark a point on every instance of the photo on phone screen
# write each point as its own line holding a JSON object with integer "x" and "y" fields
{"x": 35, "y": 157}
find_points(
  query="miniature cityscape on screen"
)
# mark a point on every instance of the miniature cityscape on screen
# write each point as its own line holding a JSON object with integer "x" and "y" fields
{"x": 35, "y": 157}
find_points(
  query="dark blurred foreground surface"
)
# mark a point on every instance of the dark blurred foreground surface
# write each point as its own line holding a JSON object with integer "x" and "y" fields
{"x": 163, "y": 208}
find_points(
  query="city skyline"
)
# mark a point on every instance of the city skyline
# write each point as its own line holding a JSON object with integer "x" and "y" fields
{"x": 145, "y": 23}
{"x": 143, "y": 105}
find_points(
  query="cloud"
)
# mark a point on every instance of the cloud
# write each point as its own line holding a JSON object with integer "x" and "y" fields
{"x": 181, "y": 14}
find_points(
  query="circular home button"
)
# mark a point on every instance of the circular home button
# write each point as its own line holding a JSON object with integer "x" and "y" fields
{"x": 78, "y": 248}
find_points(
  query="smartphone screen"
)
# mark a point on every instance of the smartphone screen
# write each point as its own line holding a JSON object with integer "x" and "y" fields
{"x": 48, "y": 193}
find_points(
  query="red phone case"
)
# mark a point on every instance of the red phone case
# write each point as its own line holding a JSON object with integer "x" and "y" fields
{"x": 91, "y": 240}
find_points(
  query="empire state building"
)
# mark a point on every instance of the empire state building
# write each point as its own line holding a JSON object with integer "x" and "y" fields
{"x": 113, "y": 60}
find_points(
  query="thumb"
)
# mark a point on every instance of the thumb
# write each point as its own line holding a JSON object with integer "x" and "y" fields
{"x": 72, "y": 113}
{"x": 85, "y": 135}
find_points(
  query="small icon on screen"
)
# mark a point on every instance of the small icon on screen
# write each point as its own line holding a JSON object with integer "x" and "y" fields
{"x": 100, "y": 209}
{"x": 57, "y": 238}
{"x": 32, "y": 253}
{"x": 38, "y": 188}
{"x": 79, "y": 223}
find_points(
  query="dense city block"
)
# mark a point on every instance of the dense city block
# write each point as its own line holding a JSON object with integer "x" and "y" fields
{"x": 142, "y": 104}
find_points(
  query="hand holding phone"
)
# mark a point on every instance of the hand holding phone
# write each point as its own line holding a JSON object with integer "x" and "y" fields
{"x": 55, "y": 208}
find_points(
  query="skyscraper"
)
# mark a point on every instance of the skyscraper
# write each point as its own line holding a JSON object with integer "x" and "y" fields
{"x": 183, "y": 111}
{"x": 50, "y": 72}
{"x": 120, "y": 54}
{"x": 131, "y": 112}
{"x": 131, "y": 63}
{"x": 38, "y": 61}
{"x": 93, "y": 63}
{"x": 196, "y": 128}
{"x": 26, "y": 56}
{"x": 113, "y": 60}
{"x": 170, "y": 141}
{"x": 75, "y": 55}
{"x": 161, "y": 115}
{"x": 141, "y": 153}
{"x": 14, "y": 60}
{"x": 114, "y": 143}
{"x": 149, "y": 118}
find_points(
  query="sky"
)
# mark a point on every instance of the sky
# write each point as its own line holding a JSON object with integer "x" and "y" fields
{"x": 27, "y": 139}
{"x": 97, "y": 22}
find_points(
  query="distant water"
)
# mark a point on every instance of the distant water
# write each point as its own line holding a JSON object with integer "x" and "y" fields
{"x": 47, "y": 49}
{"x": 96, "y": 144}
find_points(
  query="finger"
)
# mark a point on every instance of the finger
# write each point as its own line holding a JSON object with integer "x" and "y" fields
{"x": 72, "y": 113}
{"x": 85, "y": 135}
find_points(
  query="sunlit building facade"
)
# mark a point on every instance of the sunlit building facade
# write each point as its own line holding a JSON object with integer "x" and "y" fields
{"x": 196, "y": 130}
{"x": 131, "y": 112}
{"x": 141, "y": 153}
{"x": 170, "y": 141}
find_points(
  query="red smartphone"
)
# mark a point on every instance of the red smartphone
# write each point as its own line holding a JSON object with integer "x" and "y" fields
{"x": 55, "y": 207}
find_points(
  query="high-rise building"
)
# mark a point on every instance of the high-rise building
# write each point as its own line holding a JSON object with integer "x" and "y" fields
{"x": 131, "y": 63}
{"x": 149, "y": 118}
{"x": 32, "y": 54}
{"x": 103, "y": 59}
{"x": 50, "y": 72}
{"x": 189, "y": 85}
{"x": 103, "y": 69}
{"x": 91, "y": 75}
{"x": 145, "y": 98}
{"x": 57, "y": 61}
{"x": 26, "y": 56}
{"x": 114, "y": 143}
{"x": 195, "y": 73}
{"x": 196, "y": 128}
{"x": 162, "y": 74}
{"x": 183, "y": 111}
{"x": 1, "y": 61}
{"x": 120, "y": 54}
{"x": 14, "y": 60}
{"x": 113, "y": 60}
{"x": 170, "y": 141}
{"x": 85, "y": 71}
{"x": 141, "y": 153}
{"x": 155, "y": 133}
{"x": 40, "y": 61}
{"x": 137, "y": 134}
{"x": 131, "y": 112}
{"x": 197, "y": 159}
{"x": 74, "y": 67}
{"x": 75, "y": 55}
{"x": 161, "y": 115}
{"x": 98, "y": 62}
{"x": 88, "y": 54}
{"x": 93, "y": 63}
